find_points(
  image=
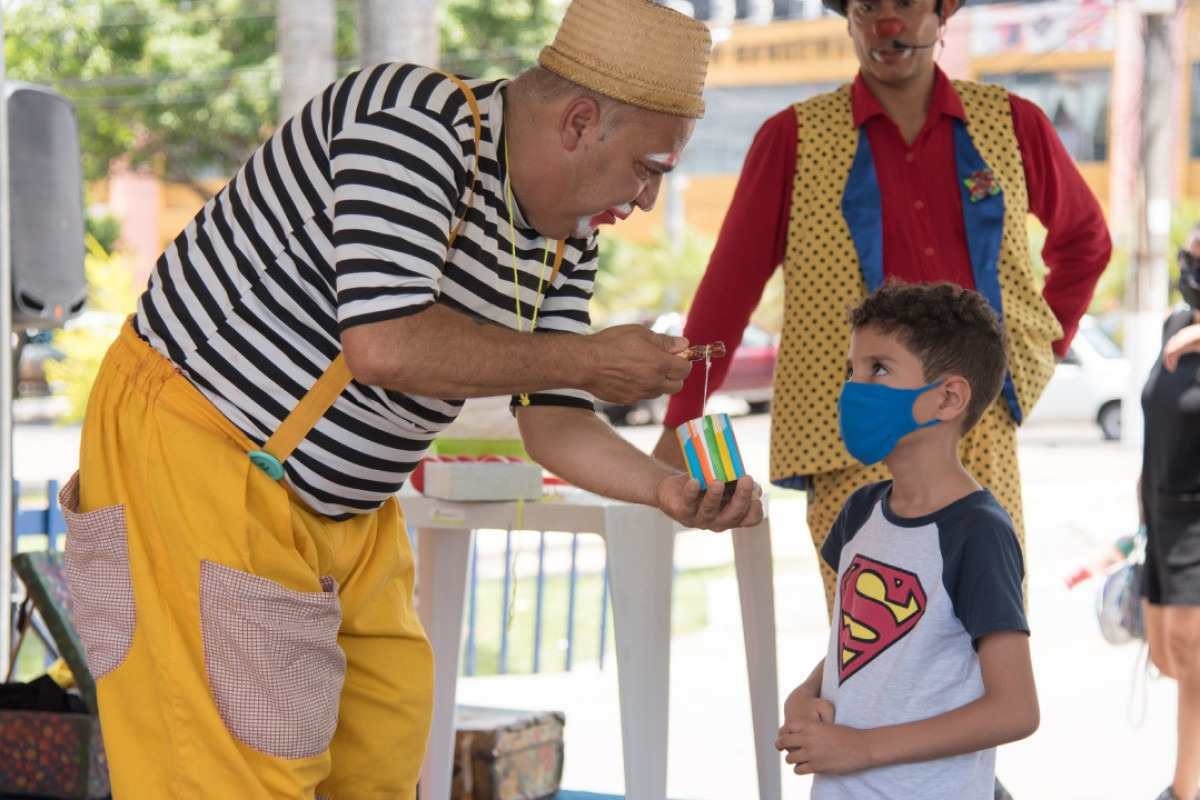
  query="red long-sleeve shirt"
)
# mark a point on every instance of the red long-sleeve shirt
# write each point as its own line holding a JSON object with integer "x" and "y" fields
{"x": 924, "y": 238}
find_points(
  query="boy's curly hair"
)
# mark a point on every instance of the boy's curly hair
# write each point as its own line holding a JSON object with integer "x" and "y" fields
{"x": 952, "y": 330}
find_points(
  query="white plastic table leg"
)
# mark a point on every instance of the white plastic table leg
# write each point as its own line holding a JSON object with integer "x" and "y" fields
{"x": 639, "y": 571}
{"x": 442, "y": 560}
{"x": 755, "y": 577}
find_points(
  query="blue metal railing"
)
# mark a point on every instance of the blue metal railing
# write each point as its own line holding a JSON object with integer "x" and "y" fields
{"x": 541, "y": 594}
{"x": 49, "y": 521}
{"x": 541, "y": 611}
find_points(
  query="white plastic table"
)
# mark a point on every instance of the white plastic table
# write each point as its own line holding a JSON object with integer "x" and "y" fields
{"x": 640, "y": 542}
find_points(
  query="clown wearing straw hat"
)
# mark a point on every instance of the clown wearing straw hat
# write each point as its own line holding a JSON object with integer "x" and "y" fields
{"x": 238, "y": 562}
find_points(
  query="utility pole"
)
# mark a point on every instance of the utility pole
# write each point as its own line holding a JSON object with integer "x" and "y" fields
{"x": 7, "y": 509}
{"x": 1146, "y": 289}
{"x": 305, "y": 32}
{"x": 675, "y": 182}
{"x": 398, "y": 30}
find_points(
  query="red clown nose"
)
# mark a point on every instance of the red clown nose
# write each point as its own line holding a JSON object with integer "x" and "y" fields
{"x": 888, "y": 28}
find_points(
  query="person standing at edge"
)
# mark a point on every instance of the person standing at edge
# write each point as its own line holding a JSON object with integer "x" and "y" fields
{"x": 238, "y": 563}
{"x": 902, "y": 174}
{"x": 1169, "y": 501}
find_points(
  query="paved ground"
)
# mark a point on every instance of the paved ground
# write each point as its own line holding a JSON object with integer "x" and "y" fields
{"x": 1078, "y": 495}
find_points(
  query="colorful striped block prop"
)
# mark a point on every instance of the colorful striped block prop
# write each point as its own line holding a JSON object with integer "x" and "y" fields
{"x": 710, "y": 450}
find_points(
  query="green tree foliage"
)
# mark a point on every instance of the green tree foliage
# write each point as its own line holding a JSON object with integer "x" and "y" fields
{"x": 496, "y": 38}
{"x": 637, "y": 282}
{"x": 83, "y": 343}
{"x": 105, "y": 229}
{"x": 643, "y": 280}
{"x": 188, "y": 88}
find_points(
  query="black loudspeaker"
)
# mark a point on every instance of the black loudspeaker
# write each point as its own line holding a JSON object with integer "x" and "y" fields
{"x": 45, "y": 186}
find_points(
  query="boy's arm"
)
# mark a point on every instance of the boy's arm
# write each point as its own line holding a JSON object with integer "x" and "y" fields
{"x": 1007, "y": 711}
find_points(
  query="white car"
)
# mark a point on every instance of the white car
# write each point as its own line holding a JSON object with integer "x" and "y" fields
{"x": 1088, "y": 384}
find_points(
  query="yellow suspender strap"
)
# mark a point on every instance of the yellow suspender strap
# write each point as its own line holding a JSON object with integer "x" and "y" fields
{"x": 475, "y": 117}
{"x": 337, "y": 377}
{"x": 558, "y": 258}
{"x": 311, "y": 408}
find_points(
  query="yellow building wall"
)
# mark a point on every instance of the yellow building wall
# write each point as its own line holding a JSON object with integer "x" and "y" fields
{"x": 817, "y": 51}
{"x": 1096, "y": 176}
{"x": 706, "y": 198}
{"x": 1053, "y": 62}
{"x": 180, "y": 204}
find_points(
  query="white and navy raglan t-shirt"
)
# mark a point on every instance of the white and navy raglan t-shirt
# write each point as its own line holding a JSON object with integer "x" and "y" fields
{"x": 914, "y": 597}
{"x": 342, "y": 218}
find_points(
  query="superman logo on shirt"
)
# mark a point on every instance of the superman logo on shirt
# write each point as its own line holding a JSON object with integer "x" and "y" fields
{"x": 880, "y": 605}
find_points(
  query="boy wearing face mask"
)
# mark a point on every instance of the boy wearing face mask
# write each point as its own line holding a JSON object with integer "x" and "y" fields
{"x": 928, "y": 668}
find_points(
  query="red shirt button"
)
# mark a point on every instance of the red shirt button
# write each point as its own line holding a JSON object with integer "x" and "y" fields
{"x": 918, "y": 205}
{"x": 929, "y": 251}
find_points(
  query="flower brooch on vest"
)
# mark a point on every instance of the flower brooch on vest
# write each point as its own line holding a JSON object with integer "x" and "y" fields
{"x": 981, "y": 183}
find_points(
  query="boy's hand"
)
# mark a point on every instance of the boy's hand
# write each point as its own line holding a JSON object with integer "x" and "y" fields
{"x": 803, "y": 706}
{"x": 819, "y": 747}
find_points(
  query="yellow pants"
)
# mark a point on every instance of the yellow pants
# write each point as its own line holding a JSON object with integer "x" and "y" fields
{"x": 988, "y": 451}
{"x": 243, "y": 646}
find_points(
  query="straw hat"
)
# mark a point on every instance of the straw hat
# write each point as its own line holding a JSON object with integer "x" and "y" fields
{"x": 634, "y": 51}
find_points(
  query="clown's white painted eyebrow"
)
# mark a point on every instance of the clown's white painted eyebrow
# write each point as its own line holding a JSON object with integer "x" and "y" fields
{"x": 661, "y": 163}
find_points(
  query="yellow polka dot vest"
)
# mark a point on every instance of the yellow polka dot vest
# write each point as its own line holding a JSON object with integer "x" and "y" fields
{"x": 824, "y": 278}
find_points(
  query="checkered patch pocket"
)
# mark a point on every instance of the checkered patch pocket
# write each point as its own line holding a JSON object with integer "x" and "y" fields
{"x": 273, "y": 661}
{"x": 97, "y": 572}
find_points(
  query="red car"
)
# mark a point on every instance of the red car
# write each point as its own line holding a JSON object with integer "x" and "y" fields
{"x": 749, "y": 377}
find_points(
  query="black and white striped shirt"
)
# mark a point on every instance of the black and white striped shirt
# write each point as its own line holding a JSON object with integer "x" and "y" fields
{"x": 342, "y": 218}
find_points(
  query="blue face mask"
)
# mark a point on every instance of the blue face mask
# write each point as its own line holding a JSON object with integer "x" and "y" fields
{"x": 873, "y": 418}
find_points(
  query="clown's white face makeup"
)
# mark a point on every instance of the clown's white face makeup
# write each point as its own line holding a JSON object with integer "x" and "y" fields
{"x": 586, "y": 226}
{"x": 664, "y": 161}
{"x": 608, "y": 172}
{"x": 648, "y": 168}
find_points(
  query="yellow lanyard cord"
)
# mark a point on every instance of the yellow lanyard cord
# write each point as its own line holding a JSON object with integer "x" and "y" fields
{"x": 512, "y": 242}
